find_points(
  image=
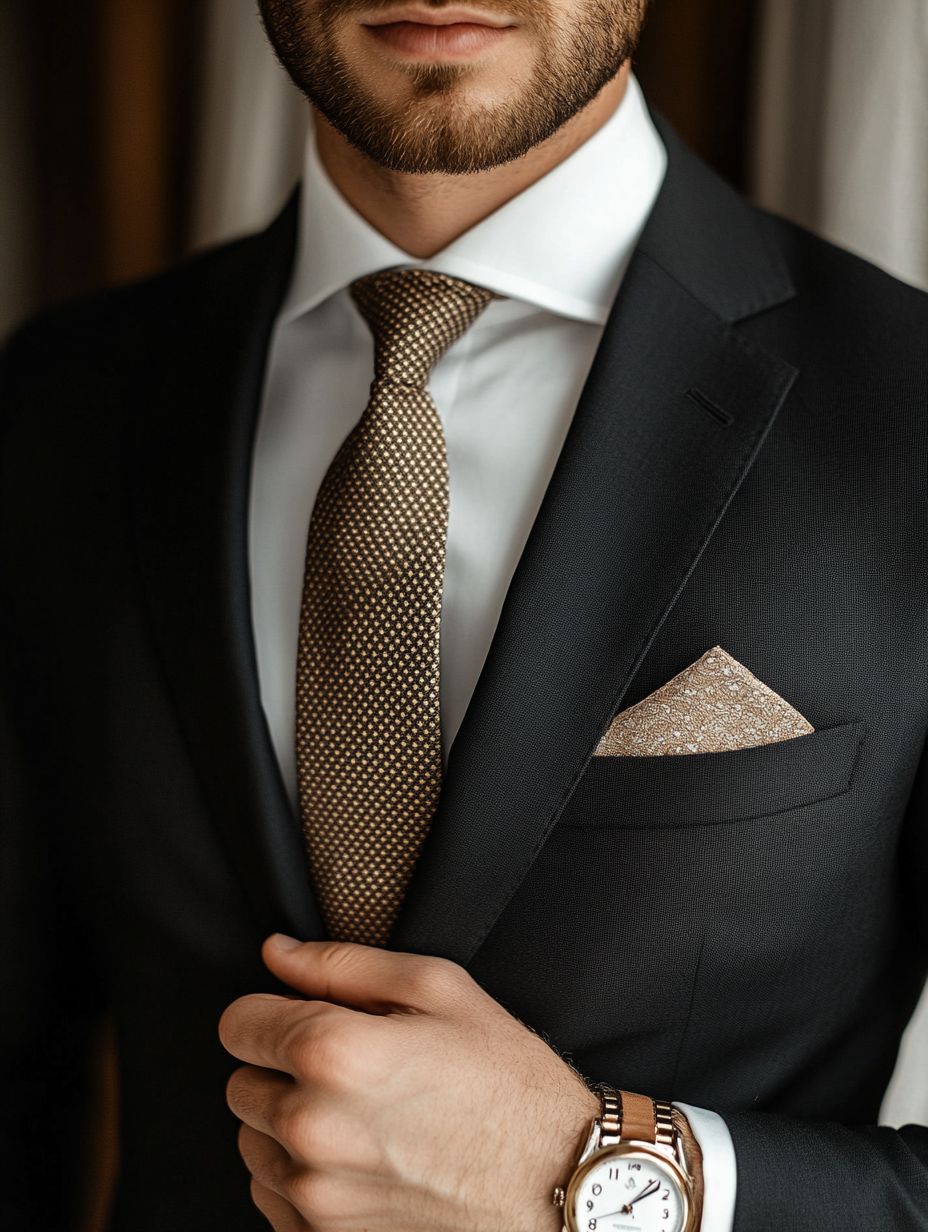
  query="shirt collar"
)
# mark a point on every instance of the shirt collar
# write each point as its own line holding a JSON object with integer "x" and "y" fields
{"x": 563, "y": 244}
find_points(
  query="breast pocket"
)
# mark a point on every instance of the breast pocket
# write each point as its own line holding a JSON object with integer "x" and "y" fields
{"x": 708, "y": 789}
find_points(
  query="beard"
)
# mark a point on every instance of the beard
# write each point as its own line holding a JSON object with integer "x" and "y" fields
{"x": 435, "y": 129}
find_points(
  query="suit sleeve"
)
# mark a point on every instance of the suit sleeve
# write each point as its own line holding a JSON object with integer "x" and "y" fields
{"x": 809, "y": 1176}
{"x": 814, "y": 1177}
{"x": 49, "y": 1003}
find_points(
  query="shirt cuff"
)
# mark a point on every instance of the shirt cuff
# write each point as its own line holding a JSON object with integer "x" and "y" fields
{"x": 719, "y": 1168}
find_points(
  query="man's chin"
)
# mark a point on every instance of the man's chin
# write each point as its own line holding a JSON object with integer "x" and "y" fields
{"x": 439, "y": 144}
{"x": 444, "y": 119}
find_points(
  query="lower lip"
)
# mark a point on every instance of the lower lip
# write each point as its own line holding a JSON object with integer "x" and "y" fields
{"x": 454, "y": 42}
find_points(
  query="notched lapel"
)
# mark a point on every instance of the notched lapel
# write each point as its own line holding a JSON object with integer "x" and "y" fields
{"x": 195, "y": 411}
{"x": 674, "y": 412}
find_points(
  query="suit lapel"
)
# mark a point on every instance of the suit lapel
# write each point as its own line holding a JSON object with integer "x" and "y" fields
{"x": 673, "y": 414}
{"x": 196, "y": 397}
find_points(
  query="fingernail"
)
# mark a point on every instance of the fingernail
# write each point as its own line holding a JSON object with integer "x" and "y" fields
{"x": 283, "y": 942}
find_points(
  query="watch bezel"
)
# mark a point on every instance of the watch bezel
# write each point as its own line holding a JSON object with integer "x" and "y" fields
{"x": 621, "y": 1150}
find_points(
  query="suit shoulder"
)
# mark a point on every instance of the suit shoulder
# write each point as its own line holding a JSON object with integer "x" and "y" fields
{"x": 857, "y": 336}
{"x": 111, "y": 323}
{"x": 834, "y": 280}
{"x": 103, "y": 332}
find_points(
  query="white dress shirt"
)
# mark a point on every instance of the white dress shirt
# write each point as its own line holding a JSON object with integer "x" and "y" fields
{"x": 506, "y": 393}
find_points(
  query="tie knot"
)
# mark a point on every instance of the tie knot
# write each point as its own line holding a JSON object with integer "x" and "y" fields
{"x": 415, "y": 316}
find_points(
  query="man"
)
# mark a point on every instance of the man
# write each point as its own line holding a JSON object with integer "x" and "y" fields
{"x": 618, "y": 419}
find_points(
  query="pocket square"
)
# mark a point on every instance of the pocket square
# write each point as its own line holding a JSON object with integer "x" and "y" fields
{"x": 714, "y": 706}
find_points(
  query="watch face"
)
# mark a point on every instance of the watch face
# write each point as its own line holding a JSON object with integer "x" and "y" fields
{"x": 632, "y": 1191}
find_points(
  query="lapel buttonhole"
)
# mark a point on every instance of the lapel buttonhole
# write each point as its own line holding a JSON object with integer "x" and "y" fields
{"x": 711, "y": 408}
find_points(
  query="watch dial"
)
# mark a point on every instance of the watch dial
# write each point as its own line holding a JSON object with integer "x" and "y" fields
{"x": 629, "y": 1194}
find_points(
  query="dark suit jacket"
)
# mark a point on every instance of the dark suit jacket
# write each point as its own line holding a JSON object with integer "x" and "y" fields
{"x": 746, "y": 931}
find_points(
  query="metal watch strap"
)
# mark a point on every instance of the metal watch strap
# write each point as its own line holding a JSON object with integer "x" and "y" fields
{"x": 610, "y": 1123}
{"x": 629, "y": 1117}
{"x": 666, "y": 1129}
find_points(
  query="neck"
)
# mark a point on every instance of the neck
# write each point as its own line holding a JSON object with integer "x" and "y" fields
{"x": 422, "y": 214}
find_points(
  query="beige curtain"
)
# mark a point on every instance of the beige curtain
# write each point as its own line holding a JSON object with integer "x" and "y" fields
{"x": 841, "y": 136}
{"x": 251, "y": 129}
{"x": 841, "y": 146}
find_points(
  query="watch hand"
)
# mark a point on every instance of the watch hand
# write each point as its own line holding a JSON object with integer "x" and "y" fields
{"x": 645, "y": 1193}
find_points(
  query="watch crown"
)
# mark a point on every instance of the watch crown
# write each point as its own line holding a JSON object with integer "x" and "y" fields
{"x": 558, "y": 1198}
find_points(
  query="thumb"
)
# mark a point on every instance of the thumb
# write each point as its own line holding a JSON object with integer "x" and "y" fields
{"x": 364, "y": 978}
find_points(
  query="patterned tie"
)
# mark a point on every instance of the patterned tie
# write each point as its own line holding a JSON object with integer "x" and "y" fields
{"x": 368, "y": 732}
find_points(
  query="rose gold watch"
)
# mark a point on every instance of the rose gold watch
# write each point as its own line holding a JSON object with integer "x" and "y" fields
{"x": 632, "y": 1174}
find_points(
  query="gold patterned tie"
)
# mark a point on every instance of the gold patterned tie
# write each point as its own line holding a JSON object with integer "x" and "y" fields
{"x": 368, "y": 731}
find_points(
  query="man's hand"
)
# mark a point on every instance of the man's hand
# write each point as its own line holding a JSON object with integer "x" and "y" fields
{"x": 399, "y": 1097}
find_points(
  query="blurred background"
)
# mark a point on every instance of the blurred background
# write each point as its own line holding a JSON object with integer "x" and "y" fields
{"x": 134, "y": 132}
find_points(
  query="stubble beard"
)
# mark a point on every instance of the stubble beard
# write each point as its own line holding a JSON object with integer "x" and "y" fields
{"x": 436, "y": 129}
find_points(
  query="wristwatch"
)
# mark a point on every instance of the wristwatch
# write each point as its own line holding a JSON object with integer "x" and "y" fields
{"x": 632, "y": 1175}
